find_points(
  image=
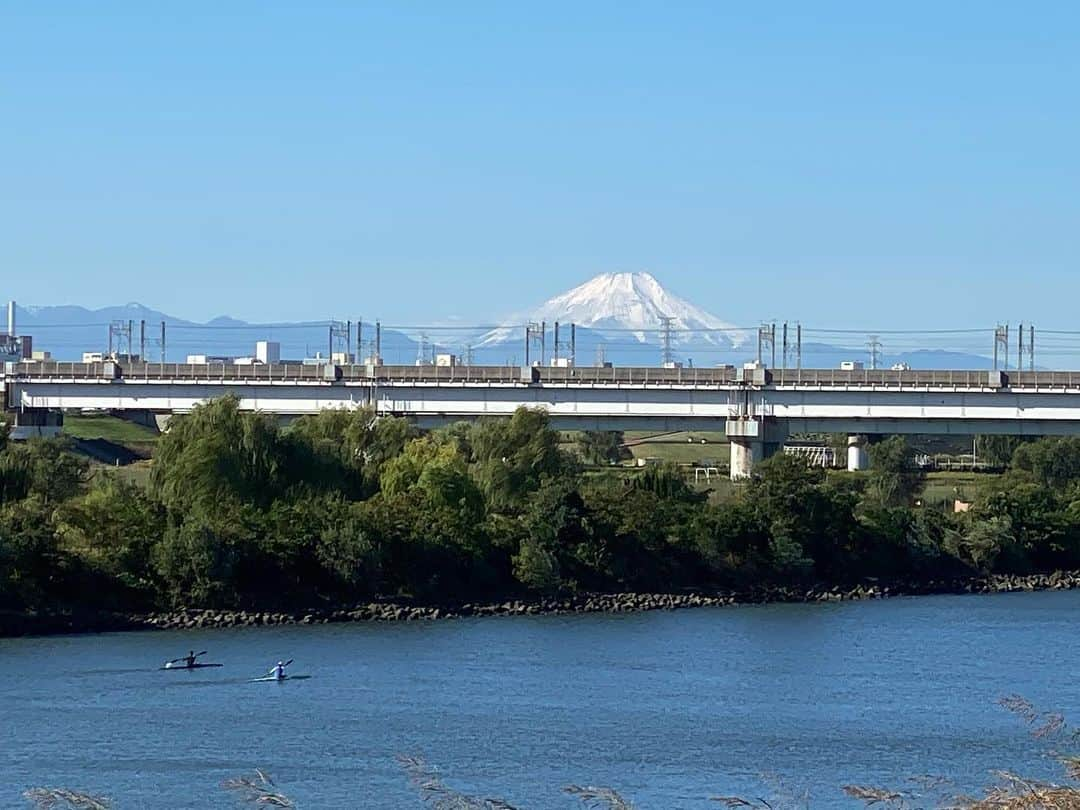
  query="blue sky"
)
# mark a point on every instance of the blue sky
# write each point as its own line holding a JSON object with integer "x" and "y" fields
{"x": 844, "y": 164}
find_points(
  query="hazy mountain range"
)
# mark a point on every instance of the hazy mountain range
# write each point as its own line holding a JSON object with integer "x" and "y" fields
{"x": 622, "y": 318}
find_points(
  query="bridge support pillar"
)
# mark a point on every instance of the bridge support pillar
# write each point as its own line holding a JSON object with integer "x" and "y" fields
{"x": 752, "y": 440}
{"x": 857, "y": 457}
{"x": 30, "y": 423}
{"x": 745, "y": 453}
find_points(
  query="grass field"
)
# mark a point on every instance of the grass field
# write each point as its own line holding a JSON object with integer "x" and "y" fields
{"x": 109, "y": 428}
{"x": 682, "y": 447}
{"x": 948, "y": 486}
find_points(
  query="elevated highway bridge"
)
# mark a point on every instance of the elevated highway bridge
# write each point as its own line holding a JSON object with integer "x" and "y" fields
{"x": 757, "y": 408}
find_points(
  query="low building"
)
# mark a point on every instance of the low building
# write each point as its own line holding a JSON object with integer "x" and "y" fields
{"x": 268, "y": 351}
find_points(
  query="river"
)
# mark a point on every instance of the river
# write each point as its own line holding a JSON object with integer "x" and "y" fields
{"x": 670, "y": 708}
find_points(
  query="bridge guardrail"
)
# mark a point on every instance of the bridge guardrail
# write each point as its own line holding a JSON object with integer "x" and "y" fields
{"x": 581, "y": 375}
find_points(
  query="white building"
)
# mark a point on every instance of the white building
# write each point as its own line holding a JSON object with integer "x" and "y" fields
{"x": 268, "y": 351}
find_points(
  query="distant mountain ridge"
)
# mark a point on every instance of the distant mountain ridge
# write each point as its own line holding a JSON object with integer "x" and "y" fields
{"x": 618, "y": 318}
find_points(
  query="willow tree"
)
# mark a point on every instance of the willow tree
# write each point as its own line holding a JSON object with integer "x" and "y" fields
{"x": 217, "y": 454}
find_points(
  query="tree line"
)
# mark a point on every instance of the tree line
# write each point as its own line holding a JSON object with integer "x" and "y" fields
{"x": 341, "y": 507}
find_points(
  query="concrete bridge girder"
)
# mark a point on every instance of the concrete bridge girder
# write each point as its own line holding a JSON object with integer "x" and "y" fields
{"x": 851, "y": 409}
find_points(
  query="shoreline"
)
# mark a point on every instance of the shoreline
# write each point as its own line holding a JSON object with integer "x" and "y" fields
{"x": 13, "y": 624}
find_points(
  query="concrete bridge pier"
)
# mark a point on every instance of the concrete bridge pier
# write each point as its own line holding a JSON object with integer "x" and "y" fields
{"x": 745, "y": 453}
{"x": 752, "y": 439}
{"x": 28, "y": 423}
{"x": 857, "y": 457}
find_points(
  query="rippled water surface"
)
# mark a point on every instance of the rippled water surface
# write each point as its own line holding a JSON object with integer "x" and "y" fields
{"x": 670, "y": 708}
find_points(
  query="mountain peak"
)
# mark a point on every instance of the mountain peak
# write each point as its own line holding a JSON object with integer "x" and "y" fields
{"x": 634, "y": 302}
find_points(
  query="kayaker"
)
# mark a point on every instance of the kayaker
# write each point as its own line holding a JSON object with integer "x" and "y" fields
{"x": 189, "y": 659}
{"x": 278, "y": 671}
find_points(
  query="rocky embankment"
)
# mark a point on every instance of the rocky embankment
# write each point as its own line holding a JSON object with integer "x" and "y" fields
{"x": 16, "y": 624}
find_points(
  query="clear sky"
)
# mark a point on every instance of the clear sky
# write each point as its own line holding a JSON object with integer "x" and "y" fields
{"x": 856, "y": 164}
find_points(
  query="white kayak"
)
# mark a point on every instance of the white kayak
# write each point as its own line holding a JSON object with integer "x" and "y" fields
{"x": 272, "y": 678}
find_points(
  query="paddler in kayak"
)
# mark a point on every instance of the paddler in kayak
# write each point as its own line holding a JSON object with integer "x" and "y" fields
{"x": 278, "y": 670}
{"x": 185, "y": 662}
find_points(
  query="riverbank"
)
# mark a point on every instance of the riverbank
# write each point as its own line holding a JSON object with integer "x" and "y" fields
{"x": 23, "y": 624}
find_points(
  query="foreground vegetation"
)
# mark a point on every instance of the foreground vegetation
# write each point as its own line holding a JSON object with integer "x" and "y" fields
{"x": 342, "y": 507}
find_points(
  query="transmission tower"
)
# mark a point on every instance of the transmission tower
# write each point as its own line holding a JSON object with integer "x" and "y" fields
{"x": 422, "y": 350}
{"x": 873, "y": 345}
{"x": 665, "y": 325}
{"x": 119, "y": 332}
{"x": 600, "y": 356}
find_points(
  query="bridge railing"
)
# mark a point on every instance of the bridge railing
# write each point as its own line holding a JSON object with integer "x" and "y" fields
{"x": 905, "y": 378}
{"x": 580, "y": 375}
{"x": 409, "y": 374}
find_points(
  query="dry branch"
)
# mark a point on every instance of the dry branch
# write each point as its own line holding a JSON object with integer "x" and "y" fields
{"x": 56, "y": 798}
{"x": 259, "y": 789}
{"x": 600, "y": 797}
{"x": 434, "y": 792}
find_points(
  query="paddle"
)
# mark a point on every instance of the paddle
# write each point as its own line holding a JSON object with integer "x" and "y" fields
{"x": 185, "y": 658}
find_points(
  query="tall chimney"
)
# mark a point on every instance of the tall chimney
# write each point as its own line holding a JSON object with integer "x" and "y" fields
{"x": 11, "y": 319}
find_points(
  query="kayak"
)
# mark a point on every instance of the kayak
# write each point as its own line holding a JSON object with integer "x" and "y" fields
{"x": 191, "y": 666}
{"x": 271, "y": 678}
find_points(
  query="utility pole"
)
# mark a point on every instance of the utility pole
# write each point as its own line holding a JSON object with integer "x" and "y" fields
{"x": 555, "y": 354}
{"x": 359, "y": 340}
{"x": 665, "y": 323}
{"x": 340, "y": 335}
{"x": 798, "y": 346}
{"x": 874, "y": 345}
{"x": 163, "y": 342}
{"x": 1020, "y": 347}
{"x": 117, "y": 331}
{"x": 784, "y": 354}
{"x": 534, "y": 333}
{"x": 766, "y": 337}
{"x": 1031, "y": 347}
{"x": 573, "y": 344}
{"x": 142, "y": 340}
{"x": 378, "y": 343}
{"x": 1001, "y": 345}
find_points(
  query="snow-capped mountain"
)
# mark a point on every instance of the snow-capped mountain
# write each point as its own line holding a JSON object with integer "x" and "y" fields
{"x": 625, "y": 305}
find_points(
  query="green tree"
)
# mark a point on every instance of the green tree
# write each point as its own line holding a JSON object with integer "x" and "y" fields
{"x": 33, "y": 569}
{"x": 114, "y": 527}
{"x": 43, "y": 467}
{"x": 536, "y": 567}
{"x": 1052, "y": 462}
{"x": 215, "y": 454}
{"x": 894, "y": 479}
{"x": 982, "y": 542}
{"x": 601, "y": 446}
{"x": 510, "y": 457}
{"x": 998, "y": 450}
